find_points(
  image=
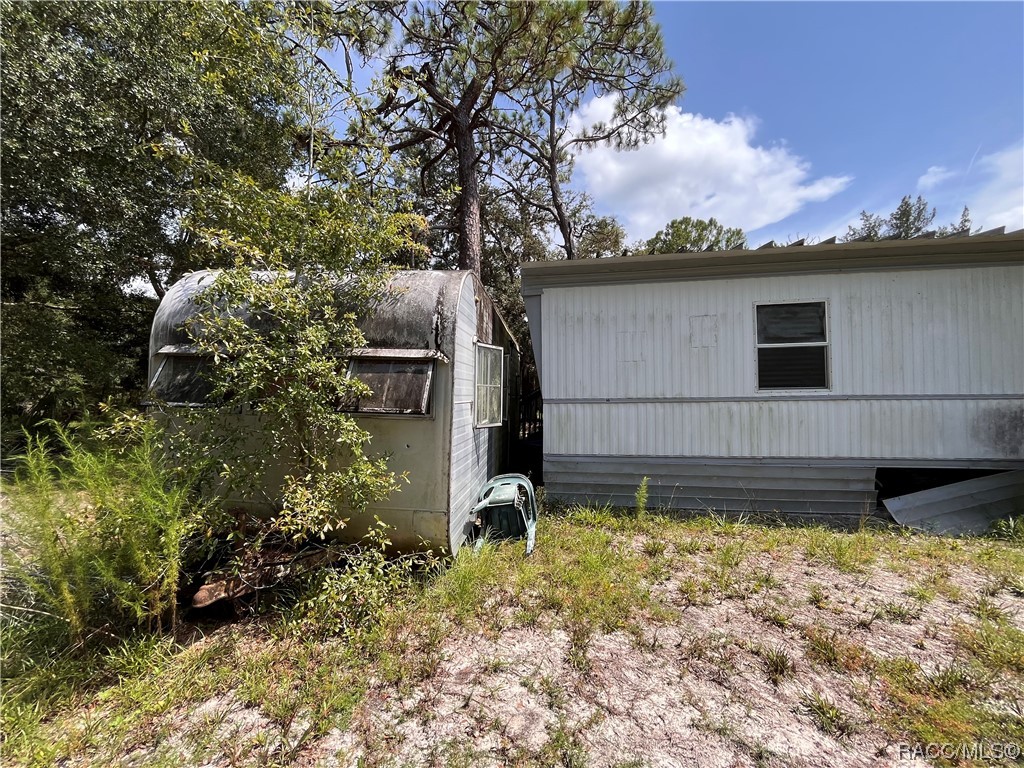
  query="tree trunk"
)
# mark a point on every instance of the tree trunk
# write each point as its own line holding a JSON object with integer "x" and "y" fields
{"x": 469, "y": 196}
{"x": 564, "y": 224}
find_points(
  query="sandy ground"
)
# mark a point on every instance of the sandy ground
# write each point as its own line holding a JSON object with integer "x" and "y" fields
{"x": 690, "y": 692}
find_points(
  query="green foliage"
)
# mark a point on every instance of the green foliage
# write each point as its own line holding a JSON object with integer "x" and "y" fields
{"x": 1009, "y": 528}
{"x": 848, "y": 552}
{"x": 952, "y": 705}
{"x": 910, "y": 219}
{"x": 484, "y": 92}
{"x": 688, "y": 234}
{"x": 61, "y": 357}
{"x": 278, "y": 326}
{"x": 100, "y": 540}
{"x": 828, "y": 717}
{"x": 578, "y": 574}
{"x": 352, "y": 599}
{"x": 778, "y": 663}
{"x": 640, "y": 498}
{"x": 110, "y": 109}
{"x": 588, "y": 577}
{"x": 997, "y": 645}
{"x": 599, "y": 237}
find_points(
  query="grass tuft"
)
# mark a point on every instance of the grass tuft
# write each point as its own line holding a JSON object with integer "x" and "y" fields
{"x": 778, "y": 664}
{"x": 847, "y": 552}
{"x": 829, "y": 649}
{"x": 829, "y": 718}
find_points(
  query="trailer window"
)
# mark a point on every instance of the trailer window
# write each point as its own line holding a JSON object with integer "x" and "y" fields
{"x": 792, "y": 346}
{"x": 399, "y": 386}
{"x": 489, "y": 379}
{"x": 183, "y": 380}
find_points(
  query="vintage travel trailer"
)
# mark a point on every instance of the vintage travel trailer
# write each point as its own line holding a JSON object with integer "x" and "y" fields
{"x": 809, "y": 380}
{"x": 445, "y": 374}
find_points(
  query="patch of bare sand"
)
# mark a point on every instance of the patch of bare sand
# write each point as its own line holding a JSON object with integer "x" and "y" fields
{"x": 664, "y": 704}
{"x": 691, "y": 691}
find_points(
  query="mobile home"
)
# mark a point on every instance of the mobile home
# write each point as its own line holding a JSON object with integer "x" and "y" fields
{"x": 445, "y": 373}
{"x": 793, "y": 379}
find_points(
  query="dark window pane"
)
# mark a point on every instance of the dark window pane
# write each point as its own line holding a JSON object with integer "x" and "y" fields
{"x": 184, "y": 379}
{"x": 792, "y": 368}
{"x": 399, "y": 386}
{"x": 791, "y": 323}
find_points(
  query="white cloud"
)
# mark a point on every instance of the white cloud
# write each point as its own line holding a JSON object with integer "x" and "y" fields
{"x": 1000, "y": 200}
{"x": 701, "y": 168}
{"x": 935, "y": 175}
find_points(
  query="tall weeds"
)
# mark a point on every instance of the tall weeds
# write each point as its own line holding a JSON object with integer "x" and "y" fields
{"x": 96, "y": 530}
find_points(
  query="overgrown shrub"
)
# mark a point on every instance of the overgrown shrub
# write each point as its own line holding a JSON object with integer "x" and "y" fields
{"x": 351, "y": 600}
{"x": 97, "y": 527}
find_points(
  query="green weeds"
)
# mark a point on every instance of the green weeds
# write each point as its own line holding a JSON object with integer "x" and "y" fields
{"x": 778, "y": 664}
{"x": 848, "y": 552}
{"x": 951, "y": 705}
{"x": 381, "y": 621}
{"x": 827, "y": 716}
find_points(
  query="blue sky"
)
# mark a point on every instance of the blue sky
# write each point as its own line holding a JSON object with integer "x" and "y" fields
{"x": 798, "y": 115}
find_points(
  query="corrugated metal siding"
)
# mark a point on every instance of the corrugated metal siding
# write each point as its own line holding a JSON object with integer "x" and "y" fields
{"x": 967, "y": 507}
{"x": 725, "y": 487}
{"x": 466, "y": 475}
{"x": 875, "y": 429}
{"x": 947, "y": 335}
{"x": 476, "y": 454}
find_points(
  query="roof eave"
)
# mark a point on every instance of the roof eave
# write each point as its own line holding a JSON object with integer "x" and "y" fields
{"x": 827, "y": 257}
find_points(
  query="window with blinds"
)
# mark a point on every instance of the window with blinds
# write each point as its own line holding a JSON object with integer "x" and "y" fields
{"x": 792, "y": 346}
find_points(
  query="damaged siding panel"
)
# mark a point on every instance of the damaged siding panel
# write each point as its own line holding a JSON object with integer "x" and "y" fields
{"x": 967, "y": 507}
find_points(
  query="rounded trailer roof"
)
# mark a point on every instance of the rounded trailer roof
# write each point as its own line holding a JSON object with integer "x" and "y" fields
{"x": 416, "y": 312}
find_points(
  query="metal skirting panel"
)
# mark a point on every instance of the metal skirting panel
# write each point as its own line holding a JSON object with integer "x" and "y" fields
{"x": 753, "y": 487}
{"x": 967, "y": 507}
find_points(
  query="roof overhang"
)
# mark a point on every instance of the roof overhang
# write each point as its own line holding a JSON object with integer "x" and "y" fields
{"x": 888, "y": 255}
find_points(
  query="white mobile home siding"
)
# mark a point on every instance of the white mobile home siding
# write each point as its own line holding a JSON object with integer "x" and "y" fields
{"x": 923, "y": 365}
{"x": 659, "y": 379}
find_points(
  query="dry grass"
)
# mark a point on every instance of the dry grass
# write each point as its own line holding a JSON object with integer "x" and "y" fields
{"x": 625, "y": 640}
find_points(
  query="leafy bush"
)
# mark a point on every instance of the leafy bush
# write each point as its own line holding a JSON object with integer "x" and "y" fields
{"x": 352, "y": 599}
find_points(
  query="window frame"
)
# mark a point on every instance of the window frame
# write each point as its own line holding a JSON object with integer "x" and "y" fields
{"x": 165, "y": 354}
{"x": 427, "y": 402}
{"x": 477, "y": 423}
{"x": 826, "y": 344}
